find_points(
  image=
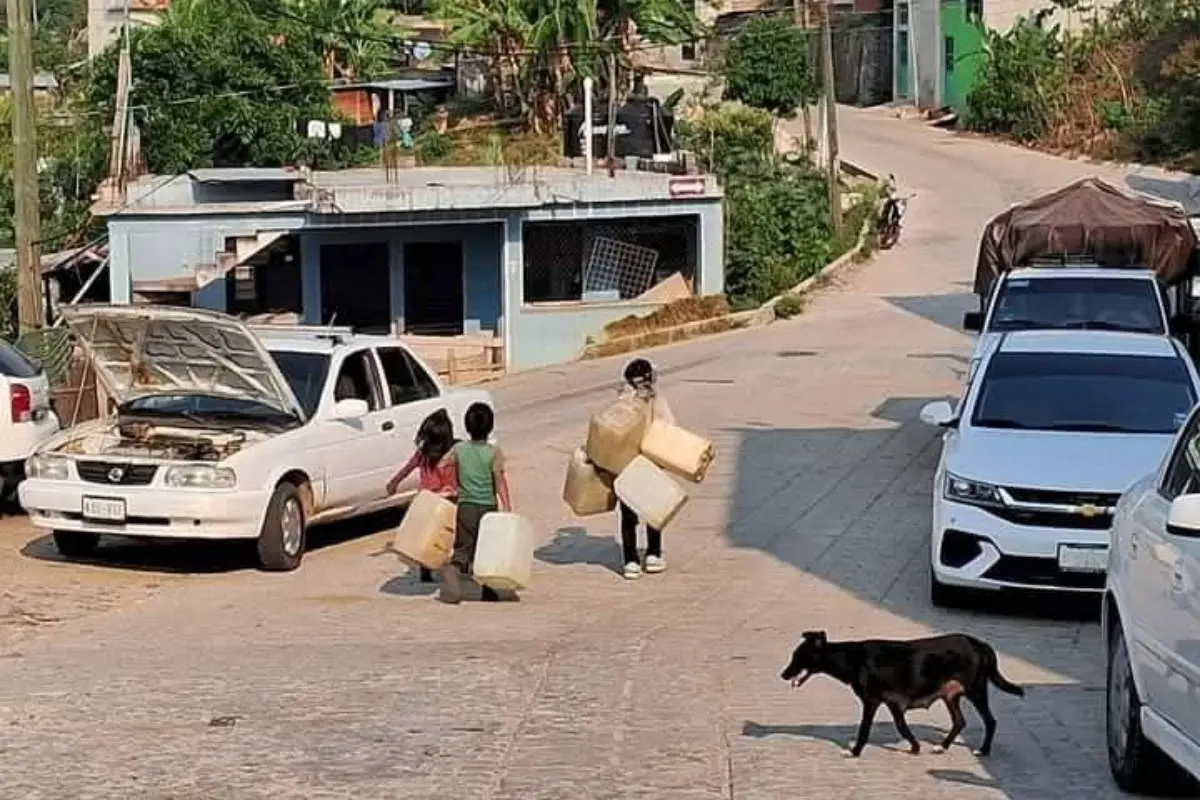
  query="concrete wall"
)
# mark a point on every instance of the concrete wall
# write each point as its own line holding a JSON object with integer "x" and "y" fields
{"x": 926, "y": 52}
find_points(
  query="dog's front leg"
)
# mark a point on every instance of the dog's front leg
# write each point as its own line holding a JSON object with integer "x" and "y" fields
{"x": 864, "y": 727}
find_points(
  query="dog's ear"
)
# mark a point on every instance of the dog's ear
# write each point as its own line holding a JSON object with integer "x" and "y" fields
{"x": 818, "y": 638}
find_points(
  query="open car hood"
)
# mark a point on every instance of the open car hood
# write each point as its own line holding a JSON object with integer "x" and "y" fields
{"x": 154, "y": 350}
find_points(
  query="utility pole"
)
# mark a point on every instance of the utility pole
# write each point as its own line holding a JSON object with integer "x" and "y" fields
{"x": 800, "y": 18}
{"x": 611, "y": 130}
{"x": 30, "y": 312}
{"x": 834, "y": 174}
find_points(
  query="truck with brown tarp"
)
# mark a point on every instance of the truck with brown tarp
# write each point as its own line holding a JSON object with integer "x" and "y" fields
{"x": 1088, "y": 256}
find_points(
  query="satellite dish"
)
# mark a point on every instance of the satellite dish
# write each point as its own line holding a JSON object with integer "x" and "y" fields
{"x": 421, "y": 51}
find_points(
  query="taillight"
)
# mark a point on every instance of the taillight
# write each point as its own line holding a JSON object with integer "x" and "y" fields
{"x": 22, "y": 403}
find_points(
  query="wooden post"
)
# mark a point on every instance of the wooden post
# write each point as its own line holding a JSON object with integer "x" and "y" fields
{"x": 834, "y": 170}
{"x": 800, "y": 16}
{"x": 30, "y": 309}
{"x": 451, "y": 367}
{"x": 612, "y": 113}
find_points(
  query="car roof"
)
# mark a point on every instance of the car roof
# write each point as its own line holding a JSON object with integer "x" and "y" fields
{"x": 1116, "y": 343}
{"x": 316, "y": 340}
{"x": 1096, "y": 273}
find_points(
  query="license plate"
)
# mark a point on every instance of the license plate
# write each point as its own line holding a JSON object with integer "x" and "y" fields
{"x": 1083, "y": 558}
{"x": 103, "y": 509}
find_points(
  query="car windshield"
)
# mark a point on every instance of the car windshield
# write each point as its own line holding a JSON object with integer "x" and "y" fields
{"x": 305, "y": 373}
{"x": 14, "y": 364}
{"x": 204, "y": 406}
{"x": 1084, "y": 392}
{"x": 1131, "y": 304}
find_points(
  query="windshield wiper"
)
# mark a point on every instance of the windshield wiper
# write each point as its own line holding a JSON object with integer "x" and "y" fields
{"x": 1101, "y": 325}
{"x": 1088, "y": 427}
{"x": 158, "y": 412}
{"x": 1000, "y": 422}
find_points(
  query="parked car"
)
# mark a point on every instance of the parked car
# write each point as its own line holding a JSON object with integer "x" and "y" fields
{"x": 26, "y": 418}
{"x": 224, "y": 433}
{"x": 1073, "y": 298}
{"x": 1151, "y": 623}
{"x": 1049, "y": 433}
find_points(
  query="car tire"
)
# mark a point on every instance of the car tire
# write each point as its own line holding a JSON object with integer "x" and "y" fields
{"x": 284, "y": 532}
{"x": 74, "y": 544}
{"x": 943, "y": 595}
{"x": 1136, "y": 764}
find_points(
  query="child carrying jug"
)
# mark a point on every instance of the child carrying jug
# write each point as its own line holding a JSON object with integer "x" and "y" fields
{"x": 482, "y": 488}
{"x": 434, "y": 440}
{"x": 640, "y": 386}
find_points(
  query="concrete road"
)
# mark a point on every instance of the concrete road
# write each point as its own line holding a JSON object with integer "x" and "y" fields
{"x": 346, "y": 679}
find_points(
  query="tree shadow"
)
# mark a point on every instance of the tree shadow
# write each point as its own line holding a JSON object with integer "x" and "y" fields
{"x": 573, "y": 544}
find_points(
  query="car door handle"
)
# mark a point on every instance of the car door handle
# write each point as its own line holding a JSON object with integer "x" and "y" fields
{"x": 1177, "y": 583}
{"x": 1133, "y": 544}
{"x": 387, "y": 426}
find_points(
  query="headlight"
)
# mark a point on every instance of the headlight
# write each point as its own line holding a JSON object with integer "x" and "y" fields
{"x": 200, "y": 476}
{"x": 48, "y": 468}
{"x": 964, "y": 490}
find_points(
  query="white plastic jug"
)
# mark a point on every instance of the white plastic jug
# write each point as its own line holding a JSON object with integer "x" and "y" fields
{"x": 651, "y": 493}
{"x": 680, "y": 451}
{"x": 587, "y": 490}
{"x": 504, "y": 554}
{"x": 426, "y": 534}
{"x": 615, "y": 435}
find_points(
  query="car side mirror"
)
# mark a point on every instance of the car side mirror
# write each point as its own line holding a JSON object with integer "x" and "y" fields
{"x": 1183, "y": 520}
{"x": 939, "y": 413}
{"x": 973, "y": 321}
{"x": 350, "y": 408}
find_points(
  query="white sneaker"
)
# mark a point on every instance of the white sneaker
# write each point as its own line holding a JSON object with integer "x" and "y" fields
{"x": 633, "y": 571}
{"x": 655, "y": 565}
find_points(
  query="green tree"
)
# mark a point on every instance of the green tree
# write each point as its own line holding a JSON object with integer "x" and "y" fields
{"x": 769, "y": 66}
{"x": 350, "y": 33}
{"x": 1022, "y": 84}
{"x": 222, "y": 82}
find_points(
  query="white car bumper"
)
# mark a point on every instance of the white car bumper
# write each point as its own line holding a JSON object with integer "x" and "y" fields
{"x": 17, "y": 442}
{"x": 150, "y": 511}
{"x": 975, "y": 548}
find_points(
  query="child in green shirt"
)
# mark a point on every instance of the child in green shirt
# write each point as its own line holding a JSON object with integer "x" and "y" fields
{"x": 482, "y": 488}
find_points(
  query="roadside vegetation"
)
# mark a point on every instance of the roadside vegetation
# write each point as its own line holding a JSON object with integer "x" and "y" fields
{"x": 1127, "y": 87}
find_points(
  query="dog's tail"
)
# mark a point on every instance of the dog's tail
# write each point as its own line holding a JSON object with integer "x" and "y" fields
{"x": 992, "y": 667}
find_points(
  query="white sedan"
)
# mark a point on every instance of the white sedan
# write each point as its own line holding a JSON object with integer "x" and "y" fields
{"x": 1052, "y": 429}
{"x": 222, "y": 433}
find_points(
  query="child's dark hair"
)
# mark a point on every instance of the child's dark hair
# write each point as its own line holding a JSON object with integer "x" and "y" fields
{"x": 435, "y": 437}
{"x": 639, "y": 373}
{"x": 479, "y": 421}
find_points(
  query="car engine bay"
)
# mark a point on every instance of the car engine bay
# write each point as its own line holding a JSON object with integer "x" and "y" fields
{"x": 137, "y": 438}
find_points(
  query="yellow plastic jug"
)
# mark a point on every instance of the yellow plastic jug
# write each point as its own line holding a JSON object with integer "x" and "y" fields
{"x": 680, "y": 451}
{"x": 504, "y": 554}
{"x": 587, "y": 490}
{"x": 651, "y": 493}
{"x": 426, "y": 534}
{"x": 615, "y": 435}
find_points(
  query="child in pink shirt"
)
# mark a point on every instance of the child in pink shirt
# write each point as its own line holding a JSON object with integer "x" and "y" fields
{"x": 435, "y": 438}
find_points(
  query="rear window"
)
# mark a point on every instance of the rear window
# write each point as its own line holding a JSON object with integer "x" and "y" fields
{"x": 14, "y": 364}
{"x": 1087, "y": 303}
{"x": 1084, "y": 392}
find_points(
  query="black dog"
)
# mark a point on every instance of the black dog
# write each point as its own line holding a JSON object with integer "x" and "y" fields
{"x": 904, "y": 675}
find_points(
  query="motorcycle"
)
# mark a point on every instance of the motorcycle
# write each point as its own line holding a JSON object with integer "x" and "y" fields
{"x": 891, "y": 215}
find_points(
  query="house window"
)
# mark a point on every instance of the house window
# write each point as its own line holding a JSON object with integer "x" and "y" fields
{"x": 902, "y": 14}
{"x": 974, "y": 11}
{"x": 949, "y": 55}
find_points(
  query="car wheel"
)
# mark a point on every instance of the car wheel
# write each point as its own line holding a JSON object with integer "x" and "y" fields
{"x": 281, "y": 541}
{"x": 73, "y": 544}
{"x": 1136, "y": 764}
{"x": 941, "y": 595}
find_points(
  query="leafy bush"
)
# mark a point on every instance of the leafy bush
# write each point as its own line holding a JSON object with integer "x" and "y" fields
{"x": 769, "y": 65}
{"x": 789, "y": 306}
{"x": 8, "y": 304}
{"x": 728, "y": 138}
{"x": 1022, "y": 83}
{"x": 432, "y": 147}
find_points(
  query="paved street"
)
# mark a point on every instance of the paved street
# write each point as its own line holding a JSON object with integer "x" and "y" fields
{"x": 347, "y": 680}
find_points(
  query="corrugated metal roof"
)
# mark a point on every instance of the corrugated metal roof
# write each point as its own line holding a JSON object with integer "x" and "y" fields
{"x": 42, "y": 80}
{"x": 404, "y": 84}
{"x": 245, "y": 174}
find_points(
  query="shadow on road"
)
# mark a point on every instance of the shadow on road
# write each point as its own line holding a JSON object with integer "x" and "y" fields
{"x": 883, "y": 734}
{"x": 198, "y": 557}
{"x": 574, "y": 545}
{"x": 941, "y": 309}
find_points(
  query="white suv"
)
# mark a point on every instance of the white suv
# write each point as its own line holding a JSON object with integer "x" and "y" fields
{"x": 26, "y": 419}
{"x": 1151, "y": 622}
{"x": 222, "y": 432}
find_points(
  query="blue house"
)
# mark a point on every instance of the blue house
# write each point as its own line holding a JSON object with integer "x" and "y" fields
{"x": 541, "y": 258}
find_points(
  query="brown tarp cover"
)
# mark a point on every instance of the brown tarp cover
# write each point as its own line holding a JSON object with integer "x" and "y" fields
{"x": 1087, "y": 218}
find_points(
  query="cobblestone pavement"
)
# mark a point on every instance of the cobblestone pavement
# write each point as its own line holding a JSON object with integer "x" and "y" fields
{"x": 346, "y": 680}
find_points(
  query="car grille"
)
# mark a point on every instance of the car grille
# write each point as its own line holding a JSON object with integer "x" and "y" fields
{"x": 1050, "y": 497}
{"x": 125, "y": 474}
{"x": 1021, "y": 512}
{"x": 1030, "y": 571}
{"x": 1053, "y": 519}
